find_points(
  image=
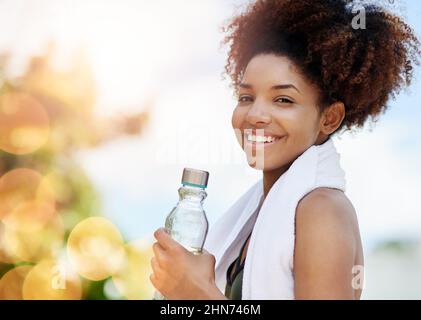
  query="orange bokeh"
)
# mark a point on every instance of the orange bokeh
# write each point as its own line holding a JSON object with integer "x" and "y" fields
{"x": 24, "y": 123}
{"x": 52, "y": 280}
{"x": 12, "y": 282}
{"x": 95, "y": 248}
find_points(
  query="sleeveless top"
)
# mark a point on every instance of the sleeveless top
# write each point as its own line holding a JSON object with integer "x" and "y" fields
{"x": 234, "y": 283}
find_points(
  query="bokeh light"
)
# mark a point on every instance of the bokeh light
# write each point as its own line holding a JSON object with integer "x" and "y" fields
{"x": 52, "y": 280}
{"x": 17, "y": 186}
{"x": 30, "y": 216}
{"x": 30, "y": 229}
{"x": 95, "y": 248}
{"x": 132, "y": 281}
{"x": 53, "y": 188}
{"x": 50, "y": 111}
{"x": 11, "y": 283}
{"x": 32, "y": 246}
{"x": 24, "y": 123}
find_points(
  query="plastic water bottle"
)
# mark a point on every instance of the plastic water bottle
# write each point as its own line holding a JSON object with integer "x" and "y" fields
{"x": 187, "y": 222}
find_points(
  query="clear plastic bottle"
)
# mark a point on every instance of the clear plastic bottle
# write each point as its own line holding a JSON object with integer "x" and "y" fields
{"x": 187, "y": 222}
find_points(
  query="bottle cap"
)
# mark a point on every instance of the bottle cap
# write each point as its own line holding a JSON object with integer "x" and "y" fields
{"x": 195, "y": 178}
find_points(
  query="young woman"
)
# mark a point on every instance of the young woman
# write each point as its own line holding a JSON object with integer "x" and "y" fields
{"x": 302, "y": 72}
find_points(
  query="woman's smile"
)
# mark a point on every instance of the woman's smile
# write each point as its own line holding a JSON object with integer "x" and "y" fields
{"x": 254, "y": 141}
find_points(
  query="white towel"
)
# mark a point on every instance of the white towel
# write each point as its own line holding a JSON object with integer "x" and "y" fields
{"x": 268, "y": 269}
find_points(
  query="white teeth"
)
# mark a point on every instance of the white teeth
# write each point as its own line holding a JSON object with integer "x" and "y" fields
{"x": 251, "y": 137}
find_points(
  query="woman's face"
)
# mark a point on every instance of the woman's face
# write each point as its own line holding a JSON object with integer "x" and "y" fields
{"x": 274, "y": 100}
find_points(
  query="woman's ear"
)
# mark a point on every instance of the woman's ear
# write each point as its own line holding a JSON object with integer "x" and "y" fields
{"x": 332, "y": 117}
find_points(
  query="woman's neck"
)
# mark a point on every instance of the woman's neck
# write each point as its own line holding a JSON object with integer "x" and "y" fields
{"x": 270, "y": 177}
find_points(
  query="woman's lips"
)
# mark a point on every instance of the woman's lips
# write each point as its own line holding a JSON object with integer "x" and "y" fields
{"x": 254, "y": 145}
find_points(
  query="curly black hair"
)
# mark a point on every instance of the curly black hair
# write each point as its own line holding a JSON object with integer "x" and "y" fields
{"x": 362, "y": 68}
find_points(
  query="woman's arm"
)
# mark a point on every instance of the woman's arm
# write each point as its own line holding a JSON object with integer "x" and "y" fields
{"x": 325, "y": 246}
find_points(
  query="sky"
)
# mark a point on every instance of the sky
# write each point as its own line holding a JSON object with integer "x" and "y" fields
{"x": 169, "y": 52}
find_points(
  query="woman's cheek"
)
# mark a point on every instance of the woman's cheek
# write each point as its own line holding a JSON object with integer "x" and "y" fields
{"x": 237, "y": 117}
{"x": 237, "y": 120}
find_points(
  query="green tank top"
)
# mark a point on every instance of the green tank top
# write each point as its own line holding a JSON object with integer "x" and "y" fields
{"x": 234, "y": 286}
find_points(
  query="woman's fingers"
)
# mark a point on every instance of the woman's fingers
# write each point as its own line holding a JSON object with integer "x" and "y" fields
{"x": 158, "y": 276}
{"x": 156, "y": 267}
{"x": 160, "y": 254}
{"x": 166, "y": 242}
{"x": 154, "y": 281}
{"x": 164, "y": 239}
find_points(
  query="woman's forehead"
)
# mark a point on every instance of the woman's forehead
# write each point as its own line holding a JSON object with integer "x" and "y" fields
{"x": 266, "y": 70}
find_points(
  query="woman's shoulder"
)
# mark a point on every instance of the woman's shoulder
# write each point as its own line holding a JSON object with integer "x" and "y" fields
{"x": 327, "y": 211}
{"x": 327, "y": 245}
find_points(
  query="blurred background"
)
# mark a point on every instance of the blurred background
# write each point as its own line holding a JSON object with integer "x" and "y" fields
{"x": 102, "y": 105}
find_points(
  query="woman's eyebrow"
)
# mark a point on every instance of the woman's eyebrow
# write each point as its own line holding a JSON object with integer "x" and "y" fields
{"x": 276, "y": 87}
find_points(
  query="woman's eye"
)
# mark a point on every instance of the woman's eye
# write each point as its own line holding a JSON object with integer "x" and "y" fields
{"x": 284, "y": 100}
{"x": 248, "y": 98}
{"x": 243, "y": 98}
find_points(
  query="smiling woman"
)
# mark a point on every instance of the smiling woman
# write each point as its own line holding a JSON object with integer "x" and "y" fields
{"x": 301, "y": 74}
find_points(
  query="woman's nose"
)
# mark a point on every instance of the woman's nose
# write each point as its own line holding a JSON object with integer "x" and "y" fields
{"x": 258, "y": 113}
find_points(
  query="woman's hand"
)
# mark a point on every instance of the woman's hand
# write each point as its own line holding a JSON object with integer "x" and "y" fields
{"x": 179, "y": 274}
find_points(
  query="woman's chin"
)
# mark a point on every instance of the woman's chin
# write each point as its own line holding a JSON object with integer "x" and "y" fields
{"x": 264, "y": 164}
{"x": 256, "y": 164}
{"x": 256, "y": 167}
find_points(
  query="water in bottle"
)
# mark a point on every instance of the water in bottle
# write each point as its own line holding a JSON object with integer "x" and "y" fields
{"x": 187, "y": 222}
